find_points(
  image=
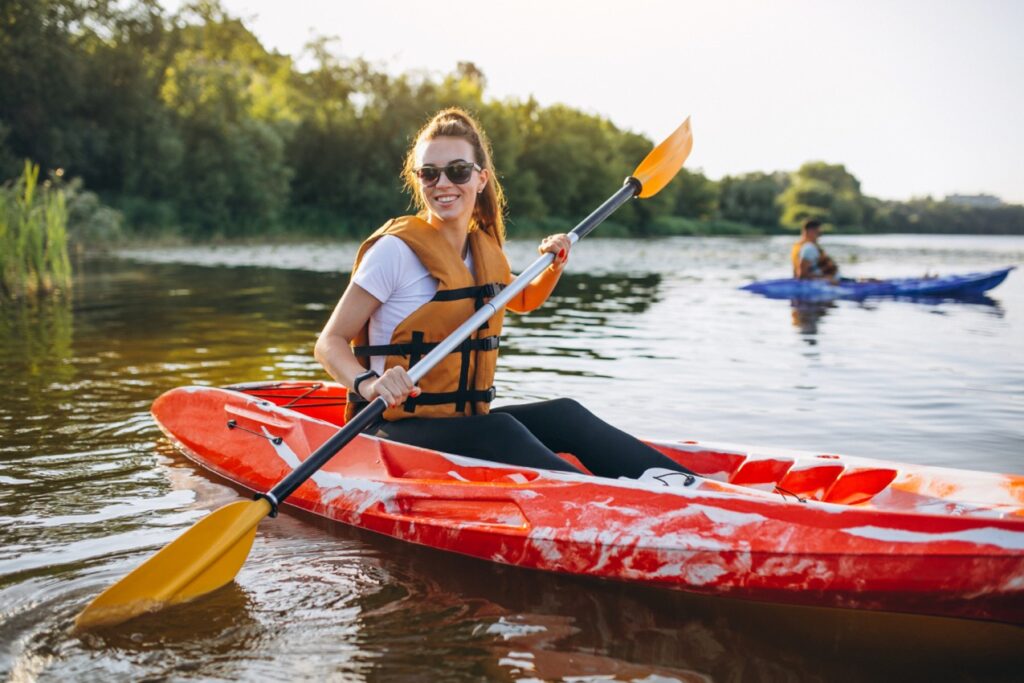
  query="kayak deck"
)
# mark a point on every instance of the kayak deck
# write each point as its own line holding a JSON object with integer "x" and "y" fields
{"x": 816, "y": 529}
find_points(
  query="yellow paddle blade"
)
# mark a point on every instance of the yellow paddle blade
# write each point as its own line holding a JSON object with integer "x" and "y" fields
{"x": 202, "y": 559}
{"x": 664, "y": 161}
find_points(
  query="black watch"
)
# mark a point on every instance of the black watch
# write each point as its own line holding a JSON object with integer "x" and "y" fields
{"x": 360, "y": 378}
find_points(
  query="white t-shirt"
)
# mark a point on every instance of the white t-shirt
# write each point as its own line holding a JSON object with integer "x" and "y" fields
{"x": 392, "y": 274}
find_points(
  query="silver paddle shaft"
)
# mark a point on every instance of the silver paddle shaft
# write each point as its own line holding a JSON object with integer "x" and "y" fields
{"x": 426, "y": 364}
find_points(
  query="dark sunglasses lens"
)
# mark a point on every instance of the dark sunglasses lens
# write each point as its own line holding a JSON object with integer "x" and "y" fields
{"x": 459, "y": 173}
{"x": 429, "y": 174}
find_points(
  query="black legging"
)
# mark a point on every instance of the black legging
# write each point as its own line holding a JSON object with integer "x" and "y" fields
{"x": 530, "y": 435}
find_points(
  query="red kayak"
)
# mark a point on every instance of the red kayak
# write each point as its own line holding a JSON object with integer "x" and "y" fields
{"x": 798, "y": 528}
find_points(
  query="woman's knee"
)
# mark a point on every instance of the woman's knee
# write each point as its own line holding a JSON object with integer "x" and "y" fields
{"x": 502, "y": 426}
{"x": 570, "y": 408}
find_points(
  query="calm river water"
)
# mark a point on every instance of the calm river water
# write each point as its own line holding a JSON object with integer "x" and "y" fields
{"x": 653, "y": 336}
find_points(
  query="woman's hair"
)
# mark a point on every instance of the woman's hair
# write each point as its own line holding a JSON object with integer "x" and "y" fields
{"x": 454, "y": 122}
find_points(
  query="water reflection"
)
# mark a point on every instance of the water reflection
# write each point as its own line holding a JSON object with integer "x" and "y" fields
{"x": 35, "y": 343}
{"x": 588, "y": 317}
{"x": 806, "y": 314}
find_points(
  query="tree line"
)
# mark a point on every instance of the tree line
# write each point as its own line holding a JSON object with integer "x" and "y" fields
{"x": 187, "y": 125}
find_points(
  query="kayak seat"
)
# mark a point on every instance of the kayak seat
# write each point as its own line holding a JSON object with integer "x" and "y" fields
{"x": 811, "y": 482}
{"x": 859, "y": 485}
{"x": 761, "y": 472}
{"x": 709, "y": 464}
{"x": 411, "y": 462}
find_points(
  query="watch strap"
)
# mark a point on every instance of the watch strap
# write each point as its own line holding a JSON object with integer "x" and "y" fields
{"x": 360, "y": 378}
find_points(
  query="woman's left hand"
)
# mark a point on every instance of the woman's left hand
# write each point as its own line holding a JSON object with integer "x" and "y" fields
{"x": 559, "y": 245}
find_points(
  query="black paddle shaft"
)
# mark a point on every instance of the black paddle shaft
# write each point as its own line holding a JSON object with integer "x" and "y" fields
{"x": 630, "y": 188}
{"x": 369, "y": 415}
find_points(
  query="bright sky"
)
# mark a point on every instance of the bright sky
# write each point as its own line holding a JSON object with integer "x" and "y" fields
{"x": 915, "y": 97}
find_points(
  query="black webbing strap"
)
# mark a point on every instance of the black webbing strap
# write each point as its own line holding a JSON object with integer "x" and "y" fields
{"x": 478, "y": 292}
{"x": 460, "y": 403}
{"x": 436, "y": 399}
{"x": 417, "y": 348}
{"x": 470, "y": 395}
{"x": 414, "y": 358}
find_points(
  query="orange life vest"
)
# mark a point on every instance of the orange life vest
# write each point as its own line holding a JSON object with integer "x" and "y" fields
{"x": 826, "y": 266}
{"x": 463, "y": 382}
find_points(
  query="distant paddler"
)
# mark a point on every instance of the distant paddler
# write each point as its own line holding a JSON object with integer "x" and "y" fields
{"x": 810, "y": 262}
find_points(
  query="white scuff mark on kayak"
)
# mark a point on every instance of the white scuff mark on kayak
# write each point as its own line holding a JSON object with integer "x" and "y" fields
{"x": 284, "y": 451}
{"x": 1001, "y": 538}
{"x": 967, "y": 487}
{"x": 695, "y": 574}
{"x": 518, "y": 478}
{"x": 527, "y": 493}
{"x": 622, "y": 510}
{"x": 685, "y": 543}
{"x": 329, "y": 495}
{"x": 640, "y": 538}
{"x": 804, "y": 568}
{"x": 542, "y": 539}
{"x": 1013, "y": 583}
{"x": 381, "y": 493}
{"x": 455, "y": 475}
{"x": 934, "y": 506}
{"x": 609, "y": 543}
{"x": 729, "y": 517}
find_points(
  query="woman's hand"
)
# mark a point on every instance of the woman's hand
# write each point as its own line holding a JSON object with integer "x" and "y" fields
{"x": 394, "y": 386}
{"x": 559, "y": 245}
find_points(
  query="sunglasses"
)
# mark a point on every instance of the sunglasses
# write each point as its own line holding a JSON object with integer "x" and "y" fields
{"x": 459, "y": 172}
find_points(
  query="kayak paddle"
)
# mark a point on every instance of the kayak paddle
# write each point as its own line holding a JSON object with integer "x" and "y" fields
{"x": 210, "y": 553}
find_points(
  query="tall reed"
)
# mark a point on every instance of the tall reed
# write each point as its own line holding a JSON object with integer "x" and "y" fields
{"x": 33, "y": 237}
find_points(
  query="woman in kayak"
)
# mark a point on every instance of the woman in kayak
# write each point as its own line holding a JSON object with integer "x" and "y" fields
{"x": 415, "y": 280}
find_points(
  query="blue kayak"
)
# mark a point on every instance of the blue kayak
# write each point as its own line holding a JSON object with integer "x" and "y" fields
{"x": 946, "y": 286}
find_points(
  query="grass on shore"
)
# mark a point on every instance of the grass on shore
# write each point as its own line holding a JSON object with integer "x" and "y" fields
{"x": 33, "y": 238}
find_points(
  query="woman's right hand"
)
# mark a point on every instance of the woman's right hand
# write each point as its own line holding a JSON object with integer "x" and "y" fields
{"x": 394, "y": 386}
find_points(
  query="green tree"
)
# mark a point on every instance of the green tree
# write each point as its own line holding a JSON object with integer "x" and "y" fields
{"x": 825, "y": 192}
{"x": 696, "y": 196}
{"x": 752, "y": 198}
{"x": 223, "y": 90}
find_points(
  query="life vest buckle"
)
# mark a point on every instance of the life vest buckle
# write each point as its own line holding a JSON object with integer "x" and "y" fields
{"x": 490, "y": 290}
{"x": 489, "y": 343}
